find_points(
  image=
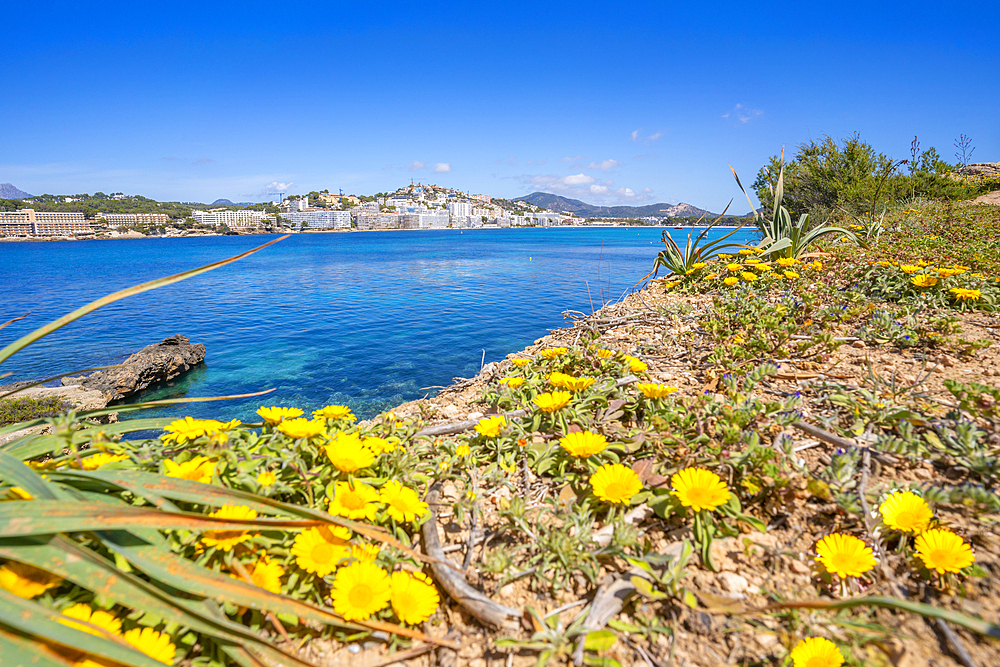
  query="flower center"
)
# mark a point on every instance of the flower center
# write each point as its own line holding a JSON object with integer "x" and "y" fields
{"x": 908, "y": 519}
{"x": 321, "y": 553}
{"x": 699, "y": 496}
{"x": 942, "y": 558}
{"x": 353, "y": 501}
{"x": 819, "y": 661}
{"x": 360, "y": 595}
{"x": 615, "y": 491}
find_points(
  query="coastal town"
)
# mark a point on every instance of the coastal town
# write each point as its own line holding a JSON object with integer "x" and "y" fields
{"x": 416, "y": 206}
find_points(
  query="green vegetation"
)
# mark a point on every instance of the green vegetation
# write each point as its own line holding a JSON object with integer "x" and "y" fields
{"x": 14, "y": 410}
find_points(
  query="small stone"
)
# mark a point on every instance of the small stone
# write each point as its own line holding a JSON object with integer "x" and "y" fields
{"x": 733, "y": 583}
{"x": 450, "y": 411}
{"x": 477, "y": 662}
{"x": 507, "y": 591}
{"x": 475, "y": 415}
{"x": 922, "y": 473}
{"x": 860, "y": 344}
{"x": 799, "y": 567}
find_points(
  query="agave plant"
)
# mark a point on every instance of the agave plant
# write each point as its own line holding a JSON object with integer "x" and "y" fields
{"x": 781, "y": 236}
{"x": 96, "y": 534}
{"x": 680, "y": 261}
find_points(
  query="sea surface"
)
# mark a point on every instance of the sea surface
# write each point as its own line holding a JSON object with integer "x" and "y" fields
{"x": 369, "y": 320}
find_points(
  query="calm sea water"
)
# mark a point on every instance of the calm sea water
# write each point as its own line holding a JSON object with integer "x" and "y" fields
{"x": 363, "y": 319}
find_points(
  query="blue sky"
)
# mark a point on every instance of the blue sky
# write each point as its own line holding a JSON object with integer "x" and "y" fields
{"x": 608, "y": 103}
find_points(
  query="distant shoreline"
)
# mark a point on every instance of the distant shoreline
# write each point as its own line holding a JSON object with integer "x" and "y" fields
{"x": 122, "y": 237}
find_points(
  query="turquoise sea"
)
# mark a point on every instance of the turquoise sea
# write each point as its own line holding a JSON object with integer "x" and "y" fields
{"x": 369, "y": 320}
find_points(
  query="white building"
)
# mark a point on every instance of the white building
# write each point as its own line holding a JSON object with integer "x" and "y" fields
{"x": 131, "y": 219}
{"x": 232, "y": 219}
{"x": 28, "y": 222}
{"x": 319, "y": 219}
{"x": 424, "y": 220}
{"x": 369, "y": 221}
{"x": 460, "y": 209}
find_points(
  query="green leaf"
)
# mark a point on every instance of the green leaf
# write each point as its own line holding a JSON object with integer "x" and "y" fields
{"x": 600, "y": 640}
{"x": 17, "y": 649}
{"x": 622, "y": 626}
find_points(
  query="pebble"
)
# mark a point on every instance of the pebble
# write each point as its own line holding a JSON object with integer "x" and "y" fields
{"x": 475, "y": 415}
{"x": 799, "y": 567}
{"x": 860, "y": 344}
{"x": 733, "y": 583}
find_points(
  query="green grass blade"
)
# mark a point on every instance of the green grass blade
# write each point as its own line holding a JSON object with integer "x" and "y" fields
{"x": 18, "y": 650}
{"x": 41, "y": 332}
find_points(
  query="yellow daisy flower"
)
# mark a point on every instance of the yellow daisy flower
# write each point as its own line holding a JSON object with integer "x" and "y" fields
{"x": 655, "y": 390}
{"x": 734, "y": 267}
{"x": 909, "y": 268}
{"x": 267, "y": 478}
{"x": 348, "y": 453}
{"x": 490, "y": 427}
{"x": 583, "y": 444}
{"x": 354, "y": 500}
{"x": 413, "y": 598}
{"x": 965, "y": 294}
{"x": 15, "y": 493}
{"x": 463, "y": 450}
{"x": 380, "y": 445}
{"x": 948, "y": 273}
{"x": 816, "y": 652}
{"x": 365, "y": 553}
{"x": 786, "y": 262}
{"x": 699, "y": 265}
{"x": 699, "y": 489}
{"x": 98, "y": 617}
{"x": 227, "y": 539}
{"x": 906, "y": 511}
{"x": 318, "y": 550}
{"x": 552, "y": 401}
{"x": 275, "y": 415}
{"x": 791, "y": 275}
{"x": 267, "y": 574}
{"x": 614, "y": 483}
{"x": 845, "y": 555}
{"x": 762, "y": 267}
{"x": 198, "y": 469}
{"x": 751, "y": 261}
{"x": 154, "y": 644}
{"x": 749, "y": 277}
{"x": 520, "y": 362}
{"x": 923, "y": 280}
{"x": 602, "y": 353}
{"x": 402, "y": 503}
{"x": 943, "y": 551}
{"x": 101, "y": 459}
{"x": 512, "y": 382}
{"x": 26, "y": 581}
{"x": 190, "y": 429}
{"x": 552, "y": 352}
{"x": 817, "y": 265}
{"x": 360, "y": 590}
{"x": 745, "y": 251}
{"x": 635, "y": 365}
{"x": 731, "y": 280}
{"x": 335, "y": 412}
{"x": 302, "y": 427}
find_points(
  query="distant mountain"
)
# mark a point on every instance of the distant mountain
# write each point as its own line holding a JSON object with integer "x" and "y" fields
{"x": 8, "y": 191}
{"x": 566, "y": 205}
{"x": 221, "y": 202}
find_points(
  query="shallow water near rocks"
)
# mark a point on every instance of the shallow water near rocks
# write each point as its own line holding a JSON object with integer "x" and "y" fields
{"x": 364, "y": 319}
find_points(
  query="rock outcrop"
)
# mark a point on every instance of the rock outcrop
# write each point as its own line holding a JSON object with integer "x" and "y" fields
{"x": 987, "y": 169}
{"x": 149, "y": 366}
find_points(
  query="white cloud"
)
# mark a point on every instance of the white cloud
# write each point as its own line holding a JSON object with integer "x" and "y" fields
{"x": 415, "y": 165}
{"x": 536, "y": 161}
{"x": 625, "y": 192}
{"x": 605, "y": 165}
{"x": 742, "y": 115}
{"x": 572, "y": 159}
{"x": 275, "y": 186}
{"x": 577, "y": 179}
{"x": 598, "y": 189}
{"x": 442, "y": 167}
{"x": 648, "y": 140}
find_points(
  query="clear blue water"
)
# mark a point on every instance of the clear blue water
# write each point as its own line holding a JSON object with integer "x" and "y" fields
{"x": 363, "y": 319}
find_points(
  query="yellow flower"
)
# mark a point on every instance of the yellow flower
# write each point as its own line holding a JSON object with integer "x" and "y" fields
{"x": 227, "y": 539}
{"x": 402, "y": 503}
{"x": 267, "y": 574}
{"x": 845, "y": 555}
{"x": 923, "y": 280}
{"x": 520, "y": 362}
{"x": 276, "y": 415}
{"x": 614, "y": 483}
{"x": 655, "y": 390}
{"x": 763, "y": 268}
{"x": 98, "y": 617}
{"x": 512, "y": 382}
{"x": 583, "y": 444}
{"x": 699, "y": 489}
{"x": 189, "y": 429}
{"x": 711, "y": 276}
{"x": 948, "y": 273}
{"x": 365, "y": 553}
{"x": 360, "y": 590}
{"x": 154, "y": 644}
{"x": 551, "y": 352}
{"x": 906, "y": 511}
{"x": 552, "y": 401}
{"x": 318, "y": 550}
{"x": 101, "y": 459}
{"x": 731, "y": 280}
{"x": 749, "y": 277}
{"x": 816, "y": 652}
{"x": 791, "y": 275}
{"x": 943, "y": 550}
{"x": 635, "y": 365}
{"x": 602, "y": 353}
{"x": 734, "y": 267}
{"x": 674, "y": 283}
{"x": 909, "y": 268}
{"x": 380, "y": 445}
{"x": 491, "y": 426}
{"x": 15, "y": 493}
{"x": 787, "y": 261}
{"x": 817, "y": 265}
{"x": 348, "y": 453}
{"x": 354, "y": 500}
{"x": 463, "y": 450}
{"x": 335, "y": 412}
{"x": 302, "y": 427}
{"x": 724, "y": 255}
{"x": 267, "y": 478}
{"x": 569, "y": 382}
{"x": 751, "y": 261}
{"x": 558, "y": 379}
{"x": 198, "y": 469}
{"x": 746, "y": 251}
{"x": 26, "y": 581}
{"x": 413, "y": 597}
{"x": 965, "y": 294}
{"x": 699, "y": 265}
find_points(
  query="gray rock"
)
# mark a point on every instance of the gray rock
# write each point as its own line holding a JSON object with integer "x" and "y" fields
{"x": 149, "y": 366}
